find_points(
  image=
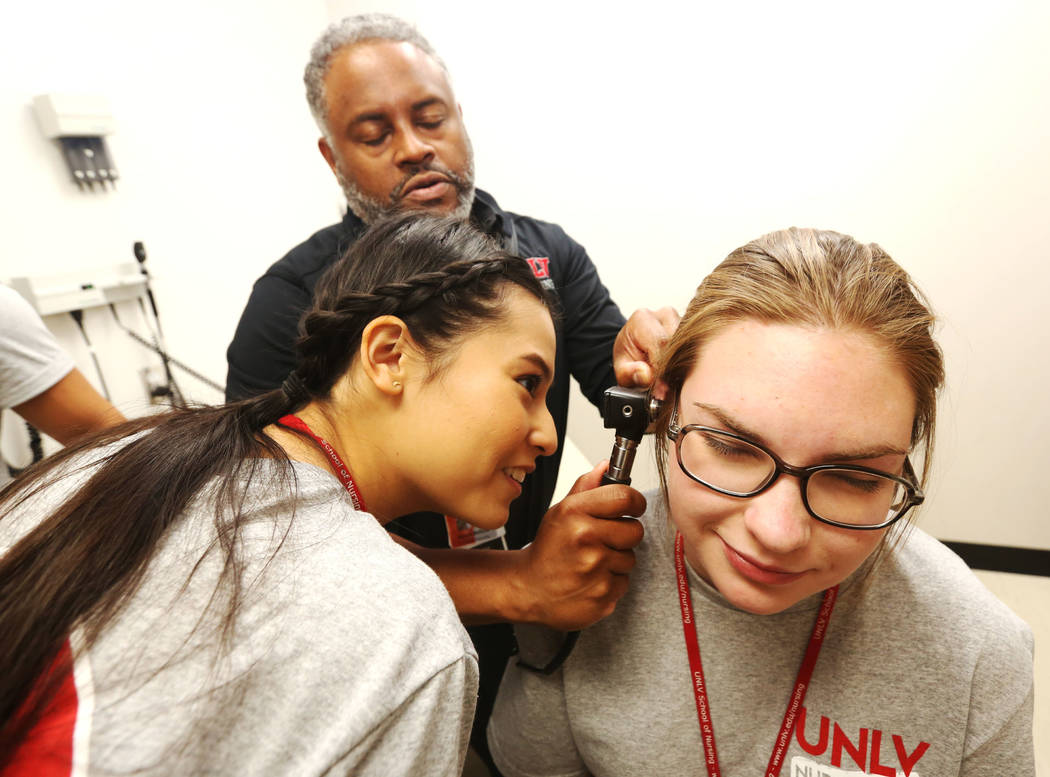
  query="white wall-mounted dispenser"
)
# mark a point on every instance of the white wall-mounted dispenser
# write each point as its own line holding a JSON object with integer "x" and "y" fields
{"x": 78, "y": 123}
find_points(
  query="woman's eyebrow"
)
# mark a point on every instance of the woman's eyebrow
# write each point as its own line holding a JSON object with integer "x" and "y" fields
{"x": 730, "y": 424}
{"x": 856, "y": 455}
{"x": 541, "y": 364}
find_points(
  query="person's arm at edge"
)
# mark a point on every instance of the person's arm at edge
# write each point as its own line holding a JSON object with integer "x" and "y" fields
{"x": 69, "y": 409}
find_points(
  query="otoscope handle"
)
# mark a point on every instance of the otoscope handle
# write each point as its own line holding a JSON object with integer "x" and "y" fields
{"x": 621, "y": 460}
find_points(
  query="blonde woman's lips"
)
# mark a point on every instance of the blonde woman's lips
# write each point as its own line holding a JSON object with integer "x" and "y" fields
{"x": 756, "y": 572}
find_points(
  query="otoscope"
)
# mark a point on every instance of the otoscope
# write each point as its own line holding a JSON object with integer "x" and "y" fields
{"x": 629, "y": 411}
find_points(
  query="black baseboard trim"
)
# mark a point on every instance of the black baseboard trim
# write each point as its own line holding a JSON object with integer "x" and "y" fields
{"x": 1002, "y": 558}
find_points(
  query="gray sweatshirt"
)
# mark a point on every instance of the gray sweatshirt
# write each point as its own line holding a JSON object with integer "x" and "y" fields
{"x": 923, "y": 672}
{"x": 347, "y": 656}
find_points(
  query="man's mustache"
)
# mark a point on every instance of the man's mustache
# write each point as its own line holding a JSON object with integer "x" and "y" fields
{"x": 456, "y": 180}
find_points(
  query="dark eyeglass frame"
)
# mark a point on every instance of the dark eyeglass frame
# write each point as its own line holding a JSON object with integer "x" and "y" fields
{"x": 915, "y": 495}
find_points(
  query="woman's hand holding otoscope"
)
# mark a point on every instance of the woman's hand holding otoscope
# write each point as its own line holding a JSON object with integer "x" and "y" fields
{"x": 583, "y": 552}
{"x": 600, "y": 556}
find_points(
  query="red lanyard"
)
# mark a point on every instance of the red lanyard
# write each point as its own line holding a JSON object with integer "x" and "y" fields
{"x": 703, "y": 709}
{"x": 340, "y": 469}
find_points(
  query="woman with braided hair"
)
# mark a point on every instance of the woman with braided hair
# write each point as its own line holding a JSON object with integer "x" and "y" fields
{"x": 211, "y": 591}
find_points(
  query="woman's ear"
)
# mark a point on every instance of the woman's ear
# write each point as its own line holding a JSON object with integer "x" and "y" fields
{"x": 386, "y": 353}
{"x": 659, "y": 390}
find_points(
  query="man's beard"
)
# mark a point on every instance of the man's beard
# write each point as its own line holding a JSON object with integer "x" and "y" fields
{"x": 370, "y": 209}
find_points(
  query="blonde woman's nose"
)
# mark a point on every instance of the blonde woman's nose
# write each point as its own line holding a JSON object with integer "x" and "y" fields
{"x": 778, "y": 519}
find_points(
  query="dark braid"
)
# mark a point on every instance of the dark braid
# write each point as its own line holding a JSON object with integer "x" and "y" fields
{"x": 403, "y": 297}
{"x": 454, "y": 285}
{"x": 400, "y": 298}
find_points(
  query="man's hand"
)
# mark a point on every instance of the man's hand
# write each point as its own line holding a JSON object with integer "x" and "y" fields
{"x": 639, "y": 343}
{"x": 575, "y": 571}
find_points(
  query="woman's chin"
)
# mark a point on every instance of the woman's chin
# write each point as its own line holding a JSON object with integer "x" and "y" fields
{"x": 489, "y": 517}
{"x": 492, "y": 520}
{"x": 757, "y": 602}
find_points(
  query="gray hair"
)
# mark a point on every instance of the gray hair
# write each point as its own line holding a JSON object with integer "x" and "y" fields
{"x": 347, "y": 32}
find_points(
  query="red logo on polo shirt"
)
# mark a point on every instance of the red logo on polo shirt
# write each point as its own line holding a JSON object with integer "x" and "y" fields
{"x": 539, "y": 265}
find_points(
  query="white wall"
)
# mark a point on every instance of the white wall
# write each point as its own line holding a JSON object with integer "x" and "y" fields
{"x": 661, "y": 136}
{"x": 664, "y": 135}
{"x": 214, "y": 146}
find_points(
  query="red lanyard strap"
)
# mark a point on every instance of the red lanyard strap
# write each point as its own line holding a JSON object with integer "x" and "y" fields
{"x": 703, "y": 707}
{"x": 295, "y": 423}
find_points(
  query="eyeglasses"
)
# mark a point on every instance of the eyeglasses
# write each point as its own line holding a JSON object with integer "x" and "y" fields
{"x": 837, "y": 494}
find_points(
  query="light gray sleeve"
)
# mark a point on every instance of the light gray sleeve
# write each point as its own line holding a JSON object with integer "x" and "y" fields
{"x": 529, "y": 734}
{"x": 1009, "y": 750}
{"x": 999, "y": 731}
{"x": 428, "y": 734}
{"x": 346, "y": 655}
{"x": 31, "y": 360}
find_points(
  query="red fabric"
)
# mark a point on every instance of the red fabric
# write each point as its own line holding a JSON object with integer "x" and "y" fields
{"x": 47, "y": 751}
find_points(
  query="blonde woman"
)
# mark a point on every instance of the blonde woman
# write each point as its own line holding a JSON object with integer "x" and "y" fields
{"x": 784, "y": 617}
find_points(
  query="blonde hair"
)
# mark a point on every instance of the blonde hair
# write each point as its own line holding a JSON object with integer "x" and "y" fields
{"x": 813, "y": 278}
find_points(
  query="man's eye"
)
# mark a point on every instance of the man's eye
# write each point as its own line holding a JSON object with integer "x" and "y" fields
{"x": 374, "y": 141}
{"x": 431, "y": 121}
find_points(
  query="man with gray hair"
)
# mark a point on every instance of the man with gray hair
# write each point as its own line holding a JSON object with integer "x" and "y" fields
{"x": 332, "y": 49}
{"x": 393, "y": 135}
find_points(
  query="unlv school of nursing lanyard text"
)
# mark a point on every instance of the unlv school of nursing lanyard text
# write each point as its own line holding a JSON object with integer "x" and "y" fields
{"x": 703, "y": 708}
{"x": 341, "y": 470}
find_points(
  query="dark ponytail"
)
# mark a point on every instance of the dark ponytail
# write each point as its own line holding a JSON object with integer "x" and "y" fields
{"x": 79, "y": 565}
{"x": 85, "y": 560}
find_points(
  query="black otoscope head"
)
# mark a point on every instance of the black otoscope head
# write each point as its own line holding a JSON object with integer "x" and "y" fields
{"x": 628, "y": 411}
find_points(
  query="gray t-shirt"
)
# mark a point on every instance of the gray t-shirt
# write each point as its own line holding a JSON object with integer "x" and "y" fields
{"x": 347, "y": 655}
{"x": 31, "y": 361}
{"x": 923, "y": 672}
